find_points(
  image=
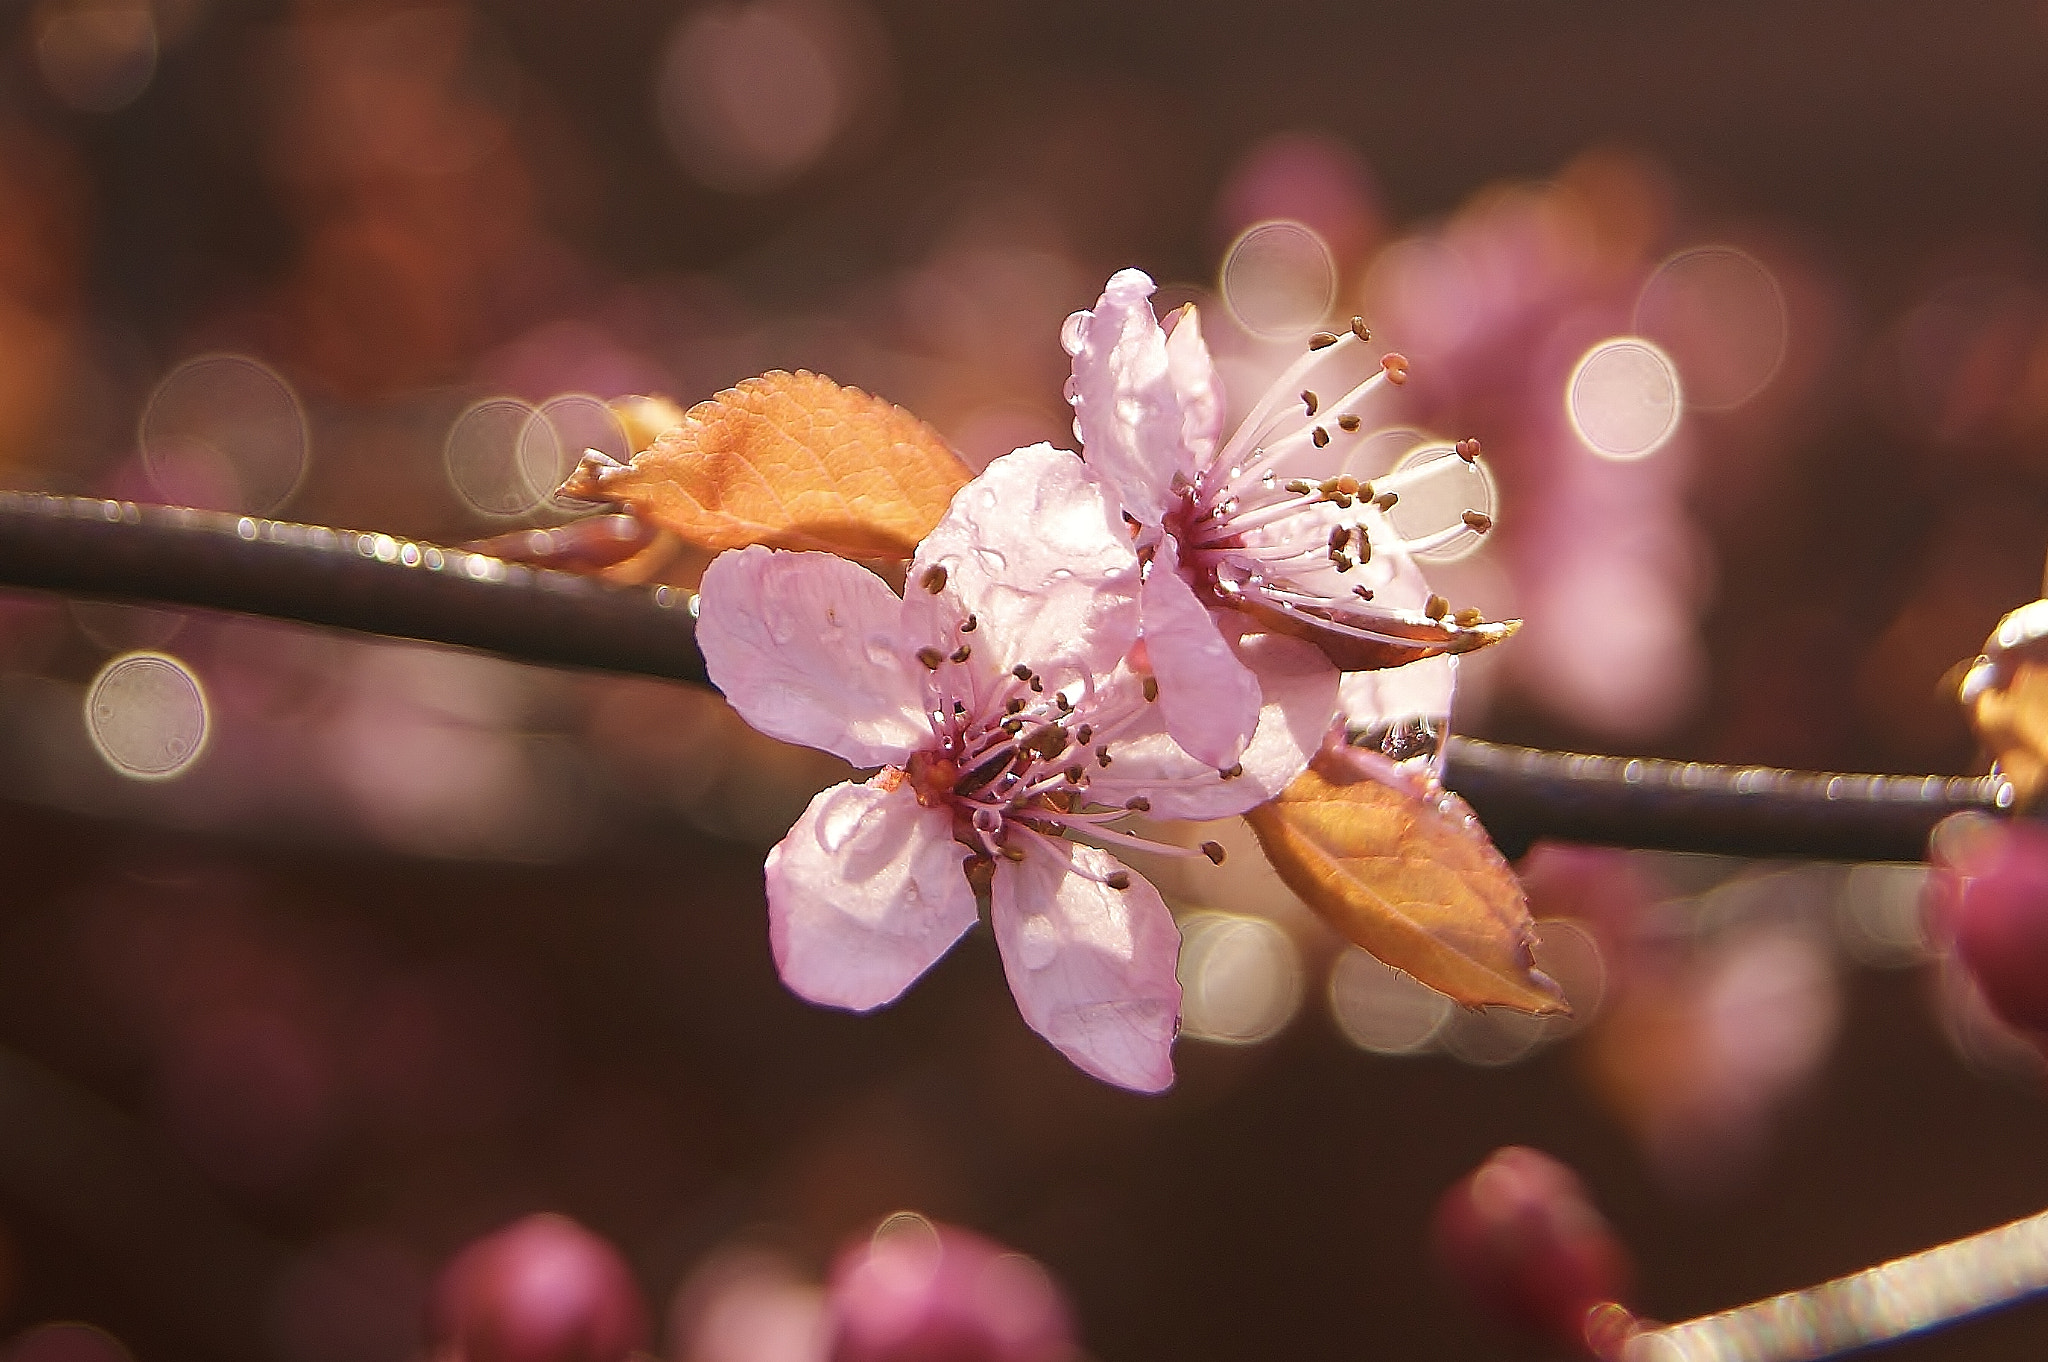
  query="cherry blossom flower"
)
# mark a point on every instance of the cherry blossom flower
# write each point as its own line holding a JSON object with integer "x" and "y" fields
{"x": 1226, "y": 530}
{"x": 1008, "y": 705}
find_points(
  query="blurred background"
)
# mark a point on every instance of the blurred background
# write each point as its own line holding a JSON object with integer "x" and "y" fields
{"x": 324, "y": 956}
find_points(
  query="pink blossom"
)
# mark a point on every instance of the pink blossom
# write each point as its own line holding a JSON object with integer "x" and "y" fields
{"x": 1226, "y": 529}
{"x": 920, "y": 1292}
{"x": 1008, "y": 704}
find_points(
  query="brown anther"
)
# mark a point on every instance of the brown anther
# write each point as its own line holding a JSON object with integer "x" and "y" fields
{"x": 1346, "y": 484}
{"x": 1066, "y": 706}
{"x": 1214, "y": 851}
{"x": 1348, "y": 421}
{"x": 1308, "y": 399}
{"x": 1021, "y": 672}
{"x": 1138, "y": 804}
{"x": 1012, "y": 726}
{"x": 1478, "y": 521}
{"x": 1084, "y": 735}
{"x": 1232, "y": 771}
{"x": 1339, "y": 537}
{"x": 1358, "y": 329}
{"x": 1469, "y": 619}
{"x": 1075, "y": 774}
{"x": 968, "y": 625}
{"x": 1300, "y": 485}
{"x": 1385, "y": 500}
{"x": 1396, "y": 367}
{"x": 1364, "y": 593}
{"x": 1151, "y": 688}
{"x": 1363, "y": 547}
{"x": 1014, "y": 705}
{"x": 931, "y": 657}
{"x": 1321, "y": 340}
{"x": 1037, "y": 686}
{"x": 1342, "y": 501}
{"x": 1344, "y": 561}
{"x": 1047, "y": 740}
{"x": 933, "y": 580}
{"x": 1118, "y": 879}
{"x": 1468, "y": 450}
{"x": 1102, "y": 757}
{"x": 962, "y": 653}
{"x": 1437, "y": 608}
{"x": 1320, "y": 437}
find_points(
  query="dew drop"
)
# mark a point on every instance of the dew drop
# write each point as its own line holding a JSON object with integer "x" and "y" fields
{"x": 1074, "y": 333}
{"x": 881, "y": 650}
{"x": 841, "y": 820}
{"x": 147, "y": 715}
{"x": 1039, "y": 941}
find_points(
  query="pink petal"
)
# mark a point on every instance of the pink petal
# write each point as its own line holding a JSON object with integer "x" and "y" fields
{"x": 1299, "y": 690}
{"x": 1196, "y": 383}
{"x": 806, "y": 647}
{"x": 865, "y": 893}
{"x": 1127, "y": 408}
{"x": 1210, "y": 700}
{"x": 1092, "y": 967}
{"x": 1036, "y": 551}
{"x": 1370, "y": 699}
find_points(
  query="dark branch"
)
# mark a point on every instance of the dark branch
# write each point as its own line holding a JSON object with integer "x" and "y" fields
{"x": 380, "y": 585}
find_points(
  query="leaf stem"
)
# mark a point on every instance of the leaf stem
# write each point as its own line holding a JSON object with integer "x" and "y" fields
{"x": 379, "y": 584}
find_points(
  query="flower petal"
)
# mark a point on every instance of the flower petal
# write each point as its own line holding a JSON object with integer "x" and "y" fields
{"x": 1127, "y": 407}
{"x": 1417, "y": 690}
{"x": 865, "y": 893}
{"x": 1210, "y": 699}
{"x": 1299, "y": 691}
{"x": 1092, "y": 967}
{"x": 806, "y": 647}
{"x": 1196, "y": 383}
{"x": 1035, "y": 551}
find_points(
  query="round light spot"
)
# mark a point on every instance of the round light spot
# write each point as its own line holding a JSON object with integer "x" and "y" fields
{"x": 1240, "y": 978}
{"x": 1722, "y": 317}
{"x": 1436, "y": 488}
{"x": 555, "y": 436}
{"x": 486, "y": 457}
{"x": 1381, "y": 1009}
{"x": 1623, "y": 398}
{"x": 1492, "y": 1036}
{"x": 752, "y": 95}
{"x": 1279, "y": 278}
{"x": 96, "y": 55}
{"x": 147, "y": 715}
{"x": 225, "y": 432}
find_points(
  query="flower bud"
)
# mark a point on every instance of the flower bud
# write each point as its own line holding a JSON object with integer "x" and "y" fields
{"x": 919, "y": 1292}
{"x": 1993, "y": 899}
{"x": 543, "y": 1289}
{"x": 1521, "y": 1236}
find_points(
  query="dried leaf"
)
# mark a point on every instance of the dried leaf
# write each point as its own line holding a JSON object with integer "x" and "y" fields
{"x": 2006, "y": 694}
{"x": 1404, "y": 870}
{"x": 789, "y": 460}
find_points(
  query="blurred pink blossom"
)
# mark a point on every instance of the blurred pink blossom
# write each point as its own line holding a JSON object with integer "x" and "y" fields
{"x": 920, "y": 1292}
{"x": 543, "y": 1289}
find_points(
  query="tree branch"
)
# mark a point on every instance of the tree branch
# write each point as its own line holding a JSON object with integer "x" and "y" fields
{"x": 376, "y": 584}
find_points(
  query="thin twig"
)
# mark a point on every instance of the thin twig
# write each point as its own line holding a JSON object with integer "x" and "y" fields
{"x": 378, "y": 584}
{"x": 1908, "y": 1295}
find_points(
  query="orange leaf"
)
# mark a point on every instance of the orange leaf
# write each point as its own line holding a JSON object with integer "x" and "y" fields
{"x": 1409, "y": 875}
{"x": 792, "y": 461}
{"x": 2006, "y": 693}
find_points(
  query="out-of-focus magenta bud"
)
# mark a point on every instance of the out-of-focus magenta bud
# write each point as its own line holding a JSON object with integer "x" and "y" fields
{"x": 919, "y": 1292}
{"x": 1991, "y": 897}
{"x": 1520, "y": 1234}
{"x": 543, "y": 1289}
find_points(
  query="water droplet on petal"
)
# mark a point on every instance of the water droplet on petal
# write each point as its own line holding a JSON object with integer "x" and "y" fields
{"x": 1074, "y": 333}
{"x": 881, "y": 650}
{"x": 842, "y": 818}
{"x": 1038, "y": 942}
